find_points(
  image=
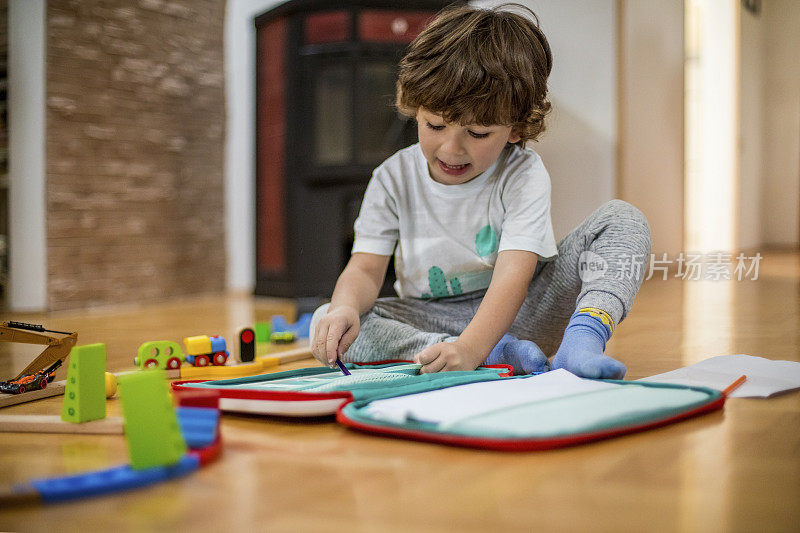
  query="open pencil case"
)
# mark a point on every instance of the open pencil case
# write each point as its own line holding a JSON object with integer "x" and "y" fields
{"x": 485, "y": 408}
{"x": 320, "y": 391}
{"x": 534, "y": 412}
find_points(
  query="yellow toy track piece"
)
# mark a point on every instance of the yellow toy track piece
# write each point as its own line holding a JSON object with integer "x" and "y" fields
{"x": 225, "y": 372}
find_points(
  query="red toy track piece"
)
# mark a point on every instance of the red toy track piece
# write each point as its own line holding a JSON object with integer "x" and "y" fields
{"x": 209, "y": 453}
{"x": 198, "y": 398}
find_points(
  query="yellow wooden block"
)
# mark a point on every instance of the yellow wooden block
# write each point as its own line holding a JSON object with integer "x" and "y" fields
{"x": 198, "y": 345}
{"x": 111, "y": 385}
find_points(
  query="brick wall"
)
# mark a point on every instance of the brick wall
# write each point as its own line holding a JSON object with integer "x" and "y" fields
{"x": 135, "y": 139}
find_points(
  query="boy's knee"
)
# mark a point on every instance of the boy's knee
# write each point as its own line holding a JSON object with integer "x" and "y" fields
{"x": 624, "y": 209}
{"x": 315, "y": 318}
{"x": 622, "y": 212}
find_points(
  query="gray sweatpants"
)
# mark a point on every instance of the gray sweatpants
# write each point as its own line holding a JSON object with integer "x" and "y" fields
{"x": 601, "y": 263}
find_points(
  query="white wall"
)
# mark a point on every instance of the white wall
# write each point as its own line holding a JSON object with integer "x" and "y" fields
{"x": 781, "y": 207}
{"x": 651, "y": 128}
{"x": 651, "y": 122}
{"x": 751, "y": 132}
{"x": 579, "y": 146}
{"x": 712, "y": 127}
{"x": 240, "y": 231}
{"x": 26, "y": 155}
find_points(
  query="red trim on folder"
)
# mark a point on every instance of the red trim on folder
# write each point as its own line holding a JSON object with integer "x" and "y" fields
{"x": 284, "y": 396}
{"x": 520, "y": 445}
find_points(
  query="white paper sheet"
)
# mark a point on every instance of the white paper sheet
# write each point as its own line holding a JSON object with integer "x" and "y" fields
{"x": 764, "y": 376}
{"x": 446, "y": 406}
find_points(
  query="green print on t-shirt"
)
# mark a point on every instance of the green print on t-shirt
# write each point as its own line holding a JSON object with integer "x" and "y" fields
{"x": 458, "y": 284}
{"x": 486, "y": 241}
{"x": 438, "y": 284}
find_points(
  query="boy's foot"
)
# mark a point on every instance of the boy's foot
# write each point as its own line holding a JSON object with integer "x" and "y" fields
{"x": 523, "y": 355}
{"x": 589, "y": 365}
{"x": 581, "y": 350}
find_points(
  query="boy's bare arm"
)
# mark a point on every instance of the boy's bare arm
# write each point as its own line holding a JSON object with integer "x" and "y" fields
{"x": 356, "y": 290}
{"x": 360, "y": 282}
{"x": 512, "y": 275}
{"x": 513, "y": 272}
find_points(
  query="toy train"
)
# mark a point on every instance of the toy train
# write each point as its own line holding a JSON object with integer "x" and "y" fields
{"x": 201, "y": 350}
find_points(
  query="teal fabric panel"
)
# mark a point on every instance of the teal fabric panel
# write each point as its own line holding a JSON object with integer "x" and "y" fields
{"x": 378, "y": 378}
{"x": 367, "y": 382}
{"x": 632, "y": 405}
{"x": 368, "y": 392}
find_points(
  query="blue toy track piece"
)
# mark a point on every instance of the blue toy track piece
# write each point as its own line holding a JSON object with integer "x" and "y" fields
{"x": 300, "y": 328}
{"x": 107, "y": 481}
{"x": 198, "y": 425}
{"x": 200, "y": 429}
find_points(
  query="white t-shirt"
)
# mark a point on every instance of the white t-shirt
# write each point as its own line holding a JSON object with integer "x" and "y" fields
{"x": 445, "y": 238}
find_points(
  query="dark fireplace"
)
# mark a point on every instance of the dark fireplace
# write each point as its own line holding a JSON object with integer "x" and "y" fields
{"x": 325, "y": 119}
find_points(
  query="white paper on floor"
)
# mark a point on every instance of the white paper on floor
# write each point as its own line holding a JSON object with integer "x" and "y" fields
{"x": 765, "y": 377}
{"x": 446, "y": 406}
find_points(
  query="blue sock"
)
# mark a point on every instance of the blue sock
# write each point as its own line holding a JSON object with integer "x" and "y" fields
{"x": 581, "y": 350}
{"x": 523, "y": 355}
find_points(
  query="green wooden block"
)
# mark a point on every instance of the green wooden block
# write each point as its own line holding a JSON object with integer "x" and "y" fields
{"x": 263, "y": 331}
{"x": 151, "y": 425}
{"x": 85, "y": 393}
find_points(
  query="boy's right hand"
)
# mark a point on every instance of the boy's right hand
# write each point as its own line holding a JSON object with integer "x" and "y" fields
{"x": 335, "y": 333}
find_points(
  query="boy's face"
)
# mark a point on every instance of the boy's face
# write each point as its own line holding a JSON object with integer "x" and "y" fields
{"x": 456, "y": 154}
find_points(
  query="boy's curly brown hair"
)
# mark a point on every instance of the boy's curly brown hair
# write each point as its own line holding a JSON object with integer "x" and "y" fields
{"x": 479, "y": 66}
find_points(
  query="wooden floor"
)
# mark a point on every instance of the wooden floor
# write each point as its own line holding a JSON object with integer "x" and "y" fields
{"x": 736, "y": 470}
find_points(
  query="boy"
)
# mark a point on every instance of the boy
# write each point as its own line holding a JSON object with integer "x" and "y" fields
{"x": 466, "y": 213}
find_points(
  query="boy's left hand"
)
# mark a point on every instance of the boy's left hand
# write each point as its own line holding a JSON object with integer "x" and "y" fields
{"x": 448, "y": 356}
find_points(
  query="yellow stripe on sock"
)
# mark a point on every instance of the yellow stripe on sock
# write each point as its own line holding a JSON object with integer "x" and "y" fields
{"x": 604, "y": 317}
